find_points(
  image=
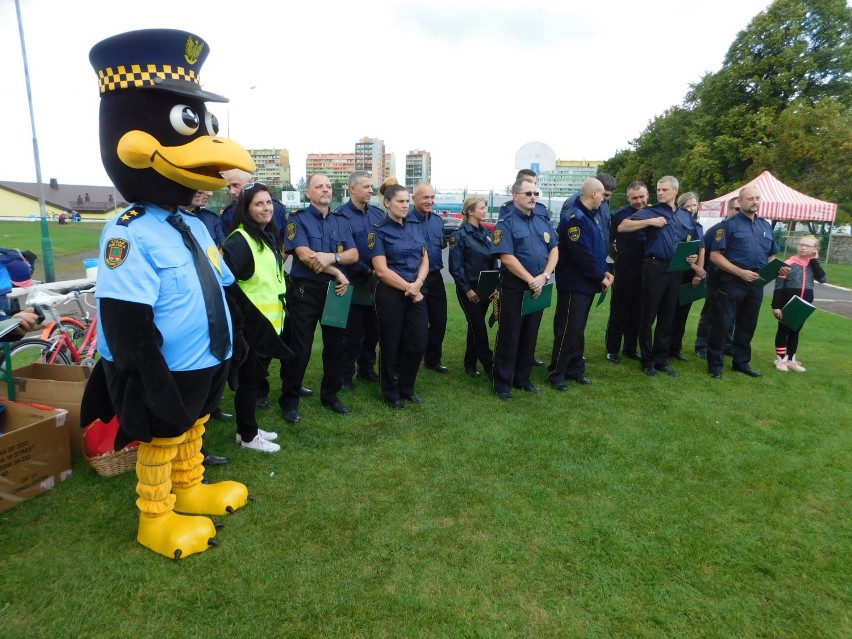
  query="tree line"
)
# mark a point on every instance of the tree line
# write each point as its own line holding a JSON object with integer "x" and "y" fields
{"x": 782, "y": 101}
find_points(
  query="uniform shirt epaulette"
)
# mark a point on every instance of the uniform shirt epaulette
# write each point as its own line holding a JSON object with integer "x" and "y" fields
{"x": 133, "y": 213}
{"x": 384, "y": 221}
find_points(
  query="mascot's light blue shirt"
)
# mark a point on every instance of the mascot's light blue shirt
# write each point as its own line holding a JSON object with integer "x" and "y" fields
{"x": 143, "y": 259}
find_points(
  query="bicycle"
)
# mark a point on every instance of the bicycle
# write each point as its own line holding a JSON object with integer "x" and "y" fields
{"x": 61, "y": 341}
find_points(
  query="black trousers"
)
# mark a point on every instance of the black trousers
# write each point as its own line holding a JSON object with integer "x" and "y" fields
{"x": 681, "y": 314}
{"x": 786, "y": 341}
{"x": 250, "y": 376}
{"x": 625, "y": 306}
{"x": 738, "y": 303}
{"x": 359, "y": 345}
{"x": 436, "y": 307}
{"x": 305, "y": 302}
{"x": 569, "y": 325}
{"x": 705, "y": 322}
{"x": 476, "y": 348}
{"x": 514, "y": 349}
{"x": 659, "y": 299}
{"x": 402, "y": 340}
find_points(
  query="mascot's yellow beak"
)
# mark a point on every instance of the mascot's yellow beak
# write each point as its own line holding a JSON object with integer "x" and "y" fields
{"x": 196, "y": 165}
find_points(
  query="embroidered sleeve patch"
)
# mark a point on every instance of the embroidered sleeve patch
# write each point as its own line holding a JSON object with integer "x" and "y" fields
{"x": 371, "y": 241}
{"x": 720, "y": 233}
{"x": 453, "y": 242}
{"x": 574, "y": 233}
{"x": 116, "y": 252}
{"x": 498, "y": 237}
{"x": 291, "y": 231}
{"x": 546, "y": 237}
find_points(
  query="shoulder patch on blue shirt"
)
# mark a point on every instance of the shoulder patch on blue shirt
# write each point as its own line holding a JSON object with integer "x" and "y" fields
{"x": 130, "y": 214}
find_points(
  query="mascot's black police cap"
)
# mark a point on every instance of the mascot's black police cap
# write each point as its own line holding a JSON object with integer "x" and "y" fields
{"x": 159, "y": 59}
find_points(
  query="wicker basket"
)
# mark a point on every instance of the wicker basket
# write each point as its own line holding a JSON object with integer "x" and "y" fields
{"x": 110, "y": 463}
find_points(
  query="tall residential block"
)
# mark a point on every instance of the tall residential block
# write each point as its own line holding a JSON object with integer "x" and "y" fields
{"x": 370, "y": 157}
{"x": 418, "y": 168}
{"x": 567, "y": 178}
{"x": 336, "y": 166}
{"x": 272, "y": 166}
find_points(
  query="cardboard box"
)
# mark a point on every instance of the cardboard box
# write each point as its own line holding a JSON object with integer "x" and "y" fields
{"x": 57, "y": 385}
{"x": 34, "y": 452}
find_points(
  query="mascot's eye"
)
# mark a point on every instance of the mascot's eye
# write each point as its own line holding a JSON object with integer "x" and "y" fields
{"x": 184, "y": 120}
{"x": 212, "y": 123}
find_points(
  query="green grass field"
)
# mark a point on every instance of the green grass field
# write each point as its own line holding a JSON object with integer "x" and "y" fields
{"x": 634, "y": 507}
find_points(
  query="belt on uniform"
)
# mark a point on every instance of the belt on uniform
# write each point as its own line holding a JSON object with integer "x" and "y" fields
{"x": 301, "y": 281}
{"x": 654, "y": 258}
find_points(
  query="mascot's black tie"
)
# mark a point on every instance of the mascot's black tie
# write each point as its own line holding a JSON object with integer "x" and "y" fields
{"x": 220, "y": 336}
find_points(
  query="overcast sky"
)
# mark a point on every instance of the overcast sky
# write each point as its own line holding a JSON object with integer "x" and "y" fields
{"x": 471, "y": 81}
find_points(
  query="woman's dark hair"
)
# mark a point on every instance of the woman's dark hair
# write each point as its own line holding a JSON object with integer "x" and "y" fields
{"x": 259, "y": 234}
{"x": 390, "y": 192}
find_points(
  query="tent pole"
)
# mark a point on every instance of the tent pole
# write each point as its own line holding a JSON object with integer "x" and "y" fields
{"x": 828, "y": 248}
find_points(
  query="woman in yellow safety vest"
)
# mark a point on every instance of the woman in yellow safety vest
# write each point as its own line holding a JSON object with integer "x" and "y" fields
{"x": 253, "y": 253}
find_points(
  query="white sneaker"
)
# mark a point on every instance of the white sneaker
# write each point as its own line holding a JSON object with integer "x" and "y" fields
{"x": 268, "y": 435}
{"x": 780, "y": 364}
{"x": 793, "y": 365}
{"x": 261, "y": 444}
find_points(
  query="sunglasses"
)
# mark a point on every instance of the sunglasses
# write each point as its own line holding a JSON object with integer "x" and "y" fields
{"x": 250, "y": 185}
{"x": 529, "y": 193}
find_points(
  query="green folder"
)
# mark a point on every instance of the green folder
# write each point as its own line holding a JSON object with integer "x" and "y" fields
{"x": 795, "y": 312}
{"x": 769, "y": 272}
{"x": 533, "y": 305}
{"x": 361, "y": 295}
{"x": 682, "y": 251}
{"x": 487, "y": 283}
{"x": 335, "y": 312}
{"x": 601, "y": 298}
{"x": 689, "y": 293}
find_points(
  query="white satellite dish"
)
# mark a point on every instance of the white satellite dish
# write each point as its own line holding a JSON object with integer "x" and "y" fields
{"x": 536, "y": 156}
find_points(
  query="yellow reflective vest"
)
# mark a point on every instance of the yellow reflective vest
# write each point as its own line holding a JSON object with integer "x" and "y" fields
{"x": 266, "y": 287}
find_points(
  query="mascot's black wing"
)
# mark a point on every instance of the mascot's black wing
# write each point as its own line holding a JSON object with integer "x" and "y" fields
{"x": 138, "y": 374}
{"x": 256, "y": 329}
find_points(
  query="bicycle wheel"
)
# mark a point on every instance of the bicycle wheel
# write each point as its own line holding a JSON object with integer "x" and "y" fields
{"x": 75, "y": 328}
{"x": 32, "y": 351}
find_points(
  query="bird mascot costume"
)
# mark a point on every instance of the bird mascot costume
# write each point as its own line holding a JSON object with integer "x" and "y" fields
{"x": 168, "y": 305}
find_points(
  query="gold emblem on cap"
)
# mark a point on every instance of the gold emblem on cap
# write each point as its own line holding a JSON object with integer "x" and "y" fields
{"x": 193, "y": 50}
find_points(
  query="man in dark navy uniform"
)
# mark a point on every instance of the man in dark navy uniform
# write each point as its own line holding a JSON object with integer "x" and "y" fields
{"x": 362, "y": 332}
{"x": 603, "y": 215}
{"x": 436, "y": 294}
{"x": 580, "y": 273}
{"x": 742, "y": 244}
{"x": 708, "y": 313}
{"x": 625, "y": 305}
{"x": 526, "y": 244}
{"x": 540, "y": 209}
{"x": 322, "y": 246}
{"x": 665, "y": 224}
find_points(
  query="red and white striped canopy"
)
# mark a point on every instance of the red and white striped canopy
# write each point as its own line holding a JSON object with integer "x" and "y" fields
{"x": 778, "y": 202}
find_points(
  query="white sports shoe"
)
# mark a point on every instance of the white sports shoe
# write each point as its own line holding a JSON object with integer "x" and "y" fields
{"x": 780, "y": 364}
{"x": 268, "y": 435}
{"x": 261, "y": 444}
{"x": 793, "y": 365}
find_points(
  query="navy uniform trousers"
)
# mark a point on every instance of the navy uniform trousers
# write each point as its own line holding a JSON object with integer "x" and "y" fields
{"x": 516, "y": 337}
{"x": 569, "y": 322}
{"x": 305, "y": 301}
{"x": 436, "y": 307}
{"x": 738, "y": 303}
{"x": 625, "y": 305}
{"x": 362, "y": 336}
{"x": 402, "y": 340}
{"x": 659, "y": 298}
{"x": 477, "y": 334}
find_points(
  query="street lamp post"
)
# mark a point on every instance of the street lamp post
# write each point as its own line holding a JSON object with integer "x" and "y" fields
{"x": 46, "y": 246}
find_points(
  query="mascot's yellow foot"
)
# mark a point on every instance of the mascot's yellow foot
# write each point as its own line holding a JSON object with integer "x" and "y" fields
{"x": 221, "y": 498}
{"x": 176, "y": 536}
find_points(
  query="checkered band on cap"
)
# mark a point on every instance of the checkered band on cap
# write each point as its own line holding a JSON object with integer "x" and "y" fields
{"x": 122, "y": 77}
